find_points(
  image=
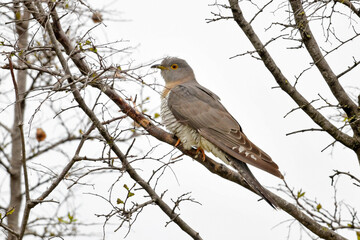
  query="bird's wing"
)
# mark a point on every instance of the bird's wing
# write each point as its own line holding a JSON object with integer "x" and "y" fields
{"x": 200, "y": 109}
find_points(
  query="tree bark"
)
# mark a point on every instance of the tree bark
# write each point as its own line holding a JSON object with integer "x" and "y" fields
{"x": 346, "y": 103}
{"x": 283, "y": 82}
{"x": 16, "y": 157}
{"x": 214, "y": 167}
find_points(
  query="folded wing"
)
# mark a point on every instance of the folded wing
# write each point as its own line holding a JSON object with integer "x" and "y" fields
{"x": 201, "y": 110}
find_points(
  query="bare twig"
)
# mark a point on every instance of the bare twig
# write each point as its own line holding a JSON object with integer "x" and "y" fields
{"x": 285, "y": 85}
{"x": 6, "y": 227}
{"x": 350, "y": 5}
{"x": 305, "y": 130}
{"x": 350, "y": 108}
{"x": 55, "y": 32}
{"x": 338, "y": 173}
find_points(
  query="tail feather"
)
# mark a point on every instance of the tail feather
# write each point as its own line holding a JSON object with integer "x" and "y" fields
{"x": 250, "y": 179}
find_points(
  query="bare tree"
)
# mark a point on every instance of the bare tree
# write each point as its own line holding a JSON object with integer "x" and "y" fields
{"x": 296, "y": 34}
{"x": 73, "y": 78}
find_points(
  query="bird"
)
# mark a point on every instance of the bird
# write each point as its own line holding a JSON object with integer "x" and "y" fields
{"x": 195, "y": 115}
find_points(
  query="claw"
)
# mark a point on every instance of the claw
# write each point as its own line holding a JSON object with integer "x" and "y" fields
{"x": 203, "y": 156}
{"x": 177, "y": 143}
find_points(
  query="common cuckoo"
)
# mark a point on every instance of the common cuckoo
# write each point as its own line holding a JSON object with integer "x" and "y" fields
{"x": 196, "y": 117}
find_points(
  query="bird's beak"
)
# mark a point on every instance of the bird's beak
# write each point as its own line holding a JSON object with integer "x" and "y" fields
{"x": 159, "y": 66}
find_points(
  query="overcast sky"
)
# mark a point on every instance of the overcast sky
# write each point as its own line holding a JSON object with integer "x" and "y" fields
{"x": 178, "y": 28}
{"x": 160, "y": 28}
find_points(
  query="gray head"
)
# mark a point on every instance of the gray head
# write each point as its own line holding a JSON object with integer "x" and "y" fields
{"x": 175, "y": 70}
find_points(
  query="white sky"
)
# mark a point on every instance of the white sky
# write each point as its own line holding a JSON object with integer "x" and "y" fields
{"x": 162, "y": 28}
{"x": 178, "y": 28}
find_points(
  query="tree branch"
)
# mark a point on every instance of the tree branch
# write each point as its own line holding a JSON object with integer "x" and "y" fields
{"x": 350, "y": 108}
{"x": 349, "y": 5}
{"x": 7, "y": 228}
{"x": 61, "y": 37}
{"x": 23, "y": 150}
{"x": 270, "y": 64}
{"x": 215, "y": 167}
{"x": 163, "y": 136}
{"x": 17, "y": 134}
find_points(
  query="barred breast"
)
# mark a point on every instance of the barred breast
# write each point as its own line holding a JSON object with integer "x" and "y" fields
{"x": 188, "y": 136}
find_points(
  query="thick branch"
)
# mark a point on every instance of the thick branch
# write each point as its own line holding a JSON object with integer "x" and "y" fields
{"x": 215, "y": 167}
{"x": 133, "y": 174}
{"x": 270, "y": 64}
{"x": 22, "y": 143}
{"x": 16, "y": 133}
{"x": 160, "y": 134}
{"x": 307, "y": 108}
{"x": 350, "y": 108}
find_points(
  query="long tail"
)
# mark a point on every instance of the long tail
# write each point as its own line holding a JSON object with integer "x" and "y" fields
{"x": 245, "y": 172}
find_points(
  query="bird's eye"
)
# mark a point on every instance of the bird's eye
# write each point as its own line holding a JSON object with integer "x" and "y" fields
{"x": 174, "y": 66}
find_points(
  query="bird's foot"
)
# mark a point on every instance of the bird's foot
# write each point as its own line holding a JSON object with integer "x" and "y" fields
{"x": 203, "y": 156}
{"x": 177, "y": 143}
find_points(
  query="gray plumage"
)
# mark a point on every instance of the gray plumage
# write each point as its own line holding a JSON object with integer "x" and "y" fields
{"x": 197, "y": 117}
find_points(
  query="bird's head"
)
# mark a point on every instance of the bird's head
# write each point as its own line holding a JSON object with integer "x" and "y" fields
{"x": 175, "y": 70}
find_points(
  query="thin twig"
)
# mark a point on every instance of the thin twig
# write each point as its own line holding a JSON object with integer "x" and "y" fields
{"x": 85, "y": 70}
